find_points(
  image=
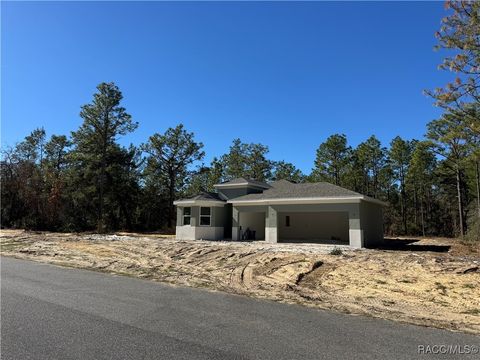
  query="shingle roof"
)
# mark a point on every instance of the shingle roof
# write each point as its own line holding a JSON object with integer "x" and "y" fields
{"x": 242, "y": 180}
{"x": 284, "y": 189}
{"x": 203, "y": 196}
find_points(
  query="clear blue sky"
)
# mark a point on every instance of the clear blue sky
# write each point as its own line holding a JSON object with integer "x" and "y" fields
{"x": 287, "y": 75}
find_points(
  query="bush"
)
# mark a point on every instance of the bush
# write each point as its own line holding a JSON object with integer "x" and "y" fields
{"x": 336, "y": 251}
{"x": 473, "y": 228}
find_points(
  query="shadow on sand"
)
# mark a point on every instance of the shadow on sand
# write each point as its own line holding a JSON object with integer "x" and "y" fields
{"x": 410, "y": 245}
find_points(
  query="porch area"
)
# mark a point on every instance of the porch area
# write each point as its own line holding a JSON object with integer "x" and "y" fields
{"x": 332, "y": 224}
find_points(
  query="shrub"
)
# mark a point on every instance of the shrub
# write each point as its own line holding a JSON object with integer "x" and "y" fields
{"x": 473, "y": 233}
{"x": 336, "y": 251}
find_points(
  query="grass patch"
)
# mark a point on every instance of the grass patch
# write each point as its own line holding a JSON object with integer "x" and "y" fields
{"x": 442, "y": 288}
{"x": 406, "y": 281}
{"x": 10, "y": 246}
{"x": 472, "y": 312}
{"x": 336, "y": 251}
{"x": 440, "y": 302}
{"x": 388, "y": 302}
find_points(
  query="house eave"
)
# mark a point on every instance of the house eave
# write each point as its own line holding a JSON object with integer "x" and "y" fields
{"x": 240, "y": 185}
{"x": 310, "y": 200}
{"x": 374, "y": 201}
{"x": 206, "y": 203}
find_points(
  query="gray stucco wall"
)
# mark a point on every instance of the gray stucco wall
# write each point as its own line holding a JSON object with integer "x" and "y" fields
{"x": 193, "y": 217}
{"x": 353, "y": 209}
{"x": 354, "y": 227}
{"x": 363, "y": 221}
{"x": 179, "y": 216}
{"x": 323, "y": 225}
{"x": 254, "y": 221}
{"x": 218, "y": 214}
{"x": 372, "y": 223}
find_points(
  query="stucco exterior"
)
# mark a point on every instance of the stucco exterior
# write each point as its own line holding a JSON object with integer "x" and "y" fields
{"x": 254, "y": 221}
{"x": 344, "y": 217}
{"x": 349, "y": 219}
{"x": 372, "y": 227}
{"x": 195, "y": 231}
{"x": 313, "y": 226}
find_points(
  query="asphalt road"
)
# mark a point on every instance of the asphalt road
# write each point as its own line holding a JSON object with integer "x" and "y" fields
{"x": 49, "y": 312}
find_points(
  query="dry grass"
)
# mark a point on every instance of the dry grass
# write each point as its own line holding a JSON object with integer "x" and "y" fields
{"x": 432, "y": 282}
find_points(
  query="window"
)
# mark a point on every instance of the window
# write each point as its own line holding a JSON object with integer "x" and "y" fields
{"x": 187, "y": 213}
{"x": 287, "y": 221}
{"x": 205, "y": 216}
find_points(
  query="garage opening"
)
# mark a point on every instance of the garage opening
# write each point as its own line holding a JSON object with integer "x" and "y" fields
{"x": 252, "y": 225}
{"x": 314, "y": 227}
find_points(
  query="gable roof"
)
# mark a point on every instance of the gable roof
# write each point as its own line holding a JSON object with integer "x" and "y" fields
{"x": 286, "y": 190}
{"x": 203, "y": 197}
{"x": 241, "y": 181}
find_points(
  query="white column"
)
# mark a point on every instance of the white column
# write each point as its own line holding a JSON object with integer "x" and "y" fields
{"x": 355, "y": 228}
{"x": 235, "y": 223}
{"x": 271, "y": 225}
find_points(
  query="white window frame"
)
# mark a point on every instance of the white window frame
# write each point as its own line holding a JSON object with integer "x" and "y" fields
{"x": 209, "y": 216}
{"x": 184, "y": 216}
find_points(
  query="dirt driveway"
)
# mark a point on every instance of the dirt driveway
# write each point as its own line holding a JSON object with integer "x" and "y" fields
{"x": 433, "y": 282}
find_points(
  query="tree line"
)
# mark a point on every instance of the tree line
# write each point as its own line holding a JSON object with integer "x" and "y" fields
{"x": 88, "y": 181}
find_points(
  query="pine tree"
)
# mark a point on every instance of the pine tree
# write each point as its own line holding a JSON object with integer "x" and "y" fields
{"x": 96, "y": 151}
{"x": 287, "y": 171}
{"x": 170, "y": 155}
{"x": 332, "y": 159}
{"x": 247, "y": 160}
{"x": 447, "y": 140}
{"x": 400, "y": 155}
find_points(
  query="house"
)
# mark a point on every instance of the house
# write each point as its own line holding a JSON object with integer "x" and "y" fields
{"x": 281, "y": 211}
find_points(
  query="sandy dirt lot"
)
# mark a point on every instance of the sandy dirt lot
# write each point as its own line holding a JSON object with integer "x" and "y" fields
{"x": 432, "y": 282}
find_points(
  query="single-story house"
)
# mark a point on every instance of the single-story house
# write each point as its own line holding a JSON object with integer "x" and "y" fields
{"x": 281, "y": 211}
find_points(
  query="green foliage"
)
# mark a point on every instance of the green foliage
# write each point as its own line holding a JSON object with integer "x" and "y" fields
{"x": 246, "y": 160}
{"x": 372, "y": 163}
{"x": 400, "y": 157}
{"x": 98, "y": 161}
{"x": 459, "y": 35}
{"x": 287, "y": 171}
{"x": 170, "y": 155}
{"x": 204, "y": 178}
{"x": 332, "y": 158}
{"x": 89, "y": 181}
{"x": 448, "y": 140}
{"x": 336, "y": 251}
{"x": 473, "y": 233}
{"x": 420, "y": 182}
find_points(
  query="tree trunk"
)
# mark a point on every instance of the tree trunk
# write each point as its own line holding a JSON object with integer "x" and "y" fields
{"x": 126, "y": 213}
{"x": 422, "y": 217}
{"x": 477, "y": 173}
{"x": 101, "y": 186}
{"x": 403, "y": 208}
{"x": 415, "y": 205}
{"x": 460, "y": 205}
{"x": 171, "y": 207}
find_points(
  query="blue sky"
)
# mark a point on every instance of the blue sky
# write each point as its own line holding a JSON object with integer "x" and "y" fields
{"x": 285, "y": 74}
